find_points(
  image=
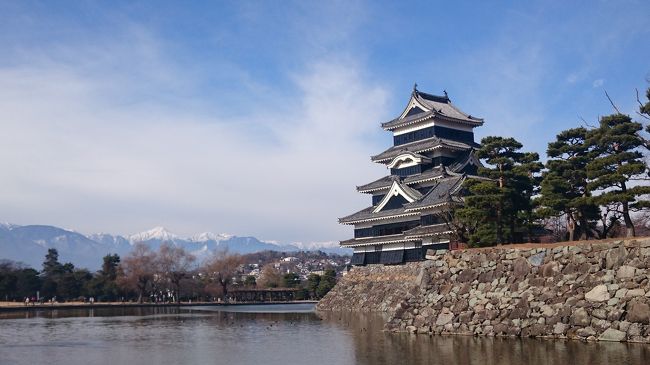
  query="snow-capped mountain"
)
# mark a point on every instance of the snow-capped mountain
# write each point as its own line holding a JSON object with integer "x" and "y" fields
{"x": 209, "y": 236}
{"x": 29, "y": 244}
{"x": 157, "y": 233}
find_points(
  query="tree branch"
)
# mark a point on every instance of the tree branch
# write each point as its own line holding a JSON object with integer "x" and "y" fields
{"x": 638, "y": 100}
{"x": 612, "y": 102}
{"x": 585, "y": 122}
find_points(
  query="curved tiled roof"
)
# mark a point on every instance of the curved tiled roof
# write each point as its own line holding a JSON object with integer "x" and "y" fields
{"x": 438, "y": 106}
{"x": 443, "y": 192}
{"x": 422, "y": 145}
{"x": 425, "y": 231}
{"x": 368, "y": 215}
{"x": 386, "y": 181}
{"x": 435, "y": 173}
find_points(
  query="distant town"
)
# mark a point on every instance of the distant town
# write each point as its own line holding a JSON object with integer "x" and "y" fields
{"x": 173, "y": 275}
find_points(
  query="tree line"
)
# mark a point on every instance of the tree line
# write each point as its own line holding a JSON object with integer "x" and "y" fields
{"x": 169, "y": 274}
{"x": 593, "y": 183}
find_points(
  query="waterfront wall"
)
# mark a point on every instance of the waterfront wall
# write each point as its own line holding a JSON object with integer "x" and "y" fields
{"x": 592, "y": 291}
{"x": 374, "y": 288}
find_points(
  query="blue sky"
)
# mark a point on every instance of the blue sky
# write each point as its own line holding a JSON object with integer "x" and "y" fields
{"x": 258, "y": 118}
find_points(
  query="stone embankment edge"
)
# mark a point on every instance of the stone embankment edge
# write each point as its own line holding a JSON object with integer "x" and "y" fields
{"x": 590, "y": 290}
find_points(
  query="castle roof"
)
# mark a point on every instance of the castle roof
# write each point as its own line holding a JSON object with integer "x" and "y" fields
{"x": 379, "y": 240}
{"x": 427, "y": 231}
{"x": 423, "y": 145}
{"x": 435, "y": 173}
{"x": 443, "y": 192}
{"x": 368, "y": 215}
{"x": 423, "y": 106}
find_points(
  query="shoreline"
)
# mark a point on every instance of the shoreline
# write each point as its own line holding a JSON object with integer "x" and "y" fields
{"x": 77, "y": 305}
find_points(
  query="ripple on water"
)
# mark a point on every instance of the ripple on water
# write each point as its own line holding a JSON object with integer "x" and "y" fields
{"x": 173, "y": 336}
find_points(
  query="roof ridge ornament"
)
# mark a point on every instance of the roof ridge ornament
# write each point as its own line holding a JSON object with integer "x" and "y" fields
{"x": 415, "y": 87}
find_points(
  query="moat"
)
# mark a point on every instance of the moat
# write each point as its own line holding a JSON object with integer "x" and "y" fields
{"x": 276, "y": 334}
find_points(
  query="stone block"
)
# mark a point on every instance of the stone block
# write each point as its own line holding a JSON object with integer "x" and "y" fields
{"x": 615, "y": 257}
{"x": 599, "y": 313}
{"x": 638, "y": 312}
{"x": 550, "y": 270}
{"x": 580, "y": 317}
{"x": 467, "y": 275}
{"x": 598, "y": 294}
{"x": 537, "y": 259}
{"x": 586, "y": 332}
{"x": 520, "y": 267}
{"x": 635, "y": 293}
{"x": 559, "y": 328}
{"x": 614, "y": 315}
{"x": 625, "y": 272}
{"x": 444, "y": 318}
{"x": 611, "y": 334}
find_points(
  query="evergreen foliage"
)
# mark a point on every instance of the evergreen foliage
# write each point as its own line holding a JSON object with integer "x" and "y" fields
{"x": 291, "y": 280}
{"x": 499, "y": 209}
{"x": 327, "y": 282}
{"x": 617, "y": 161}
{"x": 313, "y": 280}
{"x": 564, "y": 184}
{"x": 250, "y": 281}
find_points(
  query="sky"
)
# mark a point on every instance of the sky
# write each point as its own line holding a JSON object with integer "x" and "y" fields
{"x": 259, "y": 118}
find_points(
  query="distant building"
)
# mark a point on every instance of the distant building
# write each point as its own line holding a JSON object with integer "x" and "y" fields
{"x": 432, "y": 154}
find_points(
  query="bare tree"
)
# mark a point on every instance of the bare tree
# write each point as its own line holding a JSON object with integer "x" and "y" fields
{"x": 137, "y": 269}
{"x": 174, "y": 264}
{"x": 222, "y": 268}
{"x": 270, "y": 277}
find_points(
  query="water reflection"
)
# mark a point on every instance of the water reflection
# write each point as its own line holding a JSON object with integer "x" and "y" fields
{"x": 373, "y": 346}
{"x": 270, "y": 335}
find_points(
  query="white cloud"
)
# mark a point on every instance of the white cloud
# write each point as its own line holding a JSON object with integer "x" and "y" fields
{"x": 112, "y": 145}
{"x": 598, "y": 83}
{"x": 572, "y": 78}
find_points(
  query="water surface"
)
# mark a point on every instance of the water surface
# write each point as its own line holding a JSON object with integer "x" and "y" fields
{"x": 277, "y": 334}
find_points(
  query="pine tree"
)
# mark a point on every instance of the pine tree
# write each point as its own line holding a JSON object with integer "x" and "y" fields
{"x": 526, "y": 184}
{"x": 515, "y": 175}
{"x": 498, "y": 207}
{"x": 644, "y": 111}
{"x": 564, "y": 184}
{"x": 618, "y": 160}
{"x": 51, "y": 265}
{"x": 475, "y": 223}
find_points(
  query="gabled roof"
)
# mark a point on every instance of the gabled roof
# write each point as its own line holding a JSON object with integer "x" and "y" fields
{"x": 420, "y": 146}
{"x": 444, "y": 192}
{"x": 411, "y": 195}
{"x": 468, "y": 158}
{"x": 385, "y": 182}
{"x": 408, "y": 155}
{"x": 423, "y": 106}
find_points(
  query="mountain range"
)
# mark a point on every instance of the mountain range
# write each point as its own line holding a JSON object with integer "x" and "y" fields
{"x": 29, "y": 244}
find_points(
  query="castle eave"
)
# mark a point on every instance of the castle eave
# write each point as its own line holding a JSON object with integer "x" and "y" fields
{"x": 380, "y": 240}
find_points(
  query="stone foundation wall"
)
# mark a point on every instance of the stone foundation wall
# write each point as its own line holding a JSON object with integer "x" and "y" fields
{"x": 592, "y": 291}
{"x": 374, "y": 288}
